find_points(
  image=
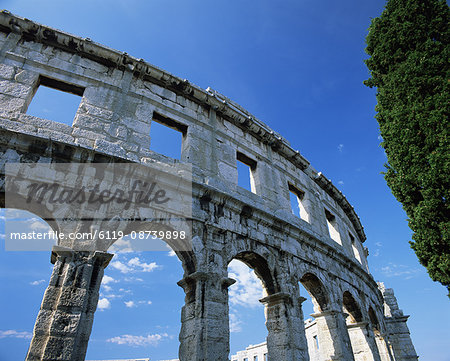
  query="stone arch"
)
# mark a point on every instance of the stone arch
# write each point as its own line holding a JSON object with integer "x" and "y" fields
{"x": 317, "y": 291}
{"x": 351, "y": 307}
{"x": 377, "y": 327}
{"x": 263, "y": 260}
{"x": 182, "y": 248}
{"x": 373, "y": 319}
{"x": 39, "y": 210}
{"x": 261, "y": 267}
{"x": 362, "y": 339}
{"x": 329, "y": 330}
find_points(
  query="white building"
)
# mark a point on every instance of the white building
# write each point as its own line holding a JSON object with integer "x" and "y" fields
{"x": 259, "y": 352}
{"x": 252, "y": 353}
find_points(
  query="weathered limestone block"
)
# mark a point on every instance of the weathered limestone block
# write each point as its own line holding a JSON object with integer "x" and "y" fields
{"x": 286, "y": 338}
{"x": 204, "y": 334}
{"x": 363, "y": 342}
{"x": 396, "y": 327}
{"x": 334, "y": 341}
{"x": 65, "y": 319}
{"x": 383, "y": 347}
{"x": 6, "y": 71}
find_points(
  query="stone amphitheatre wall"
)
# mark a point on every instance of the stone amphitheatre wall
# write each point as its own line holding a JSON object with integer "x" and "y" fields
{"x": 120, "y": 98}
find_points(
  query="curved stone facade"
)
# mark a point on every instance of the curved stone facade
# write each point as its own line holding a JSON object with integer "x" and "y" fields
{"x": 120, "y": 98}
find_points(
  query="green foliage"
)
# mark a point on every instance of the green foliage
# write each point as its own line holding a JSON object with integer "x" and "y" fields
{"x": 409, "y": 54}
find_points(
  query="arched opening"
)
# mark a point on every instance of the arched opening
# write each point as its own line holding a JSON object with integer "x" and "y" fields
{"x": 316, "y": 290}
{"x": 381, "y": 342}
{"x": 21, "y": 219}
{"x": 351, "y": 308}
{"x": 362, "y": 340}
{"x": 139, "y": 308}
{"x": 374, "y": 320}
{"x": 247, "y": 315}
{"x": 25, "y": 274}
{"x": 314, "y": 302}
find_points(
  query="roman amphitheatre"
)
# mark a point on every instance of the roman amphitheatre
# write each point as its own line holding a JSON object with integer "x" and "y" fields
{"x": 323, "y": 247}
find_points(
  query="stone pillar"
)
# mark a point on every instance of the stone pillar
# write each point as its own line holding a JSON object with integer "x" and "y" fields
{"x": 396, "y": 327}
{"x": 383, "y": 347}
{"x": 363, "y": 342}
{"x": 400, "y": 339}
{"x": 286, "y": 340}
{"x": 334, "y": 341}
{"x": 204, "y": 334}
{"x": 64, "y": 322}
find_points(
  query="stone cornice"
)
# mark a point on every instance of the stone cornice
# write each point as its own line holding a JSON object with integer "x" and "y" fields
{"x": 337, "y": 195}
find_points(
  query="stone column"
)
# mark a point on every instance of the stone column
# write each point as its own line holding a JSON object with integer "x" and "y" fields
{"x": 400, "y": 339}
{"x": 204, "y": 334}
{"x": 363, "y": 342}
{"x": 286, "y": 340}
{"x": 396, "y": 327}
{"x": 333, "y": 338}
{"x": 383, "y": 347}
{"x": 64, "y": 322}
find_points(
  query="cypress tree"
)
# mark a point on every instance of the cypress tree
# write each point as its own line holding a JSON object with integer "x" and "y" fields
{"x": 408, "y": 64}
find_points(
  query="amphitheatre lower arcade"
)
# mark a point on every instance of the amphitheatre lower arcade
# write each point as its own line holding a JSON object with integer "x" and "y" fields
{"x": 120, "y": 97}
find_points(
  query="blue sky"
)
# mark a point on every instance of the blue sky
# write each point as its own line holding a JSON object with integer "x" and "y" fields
{"x": 298, "y": 66}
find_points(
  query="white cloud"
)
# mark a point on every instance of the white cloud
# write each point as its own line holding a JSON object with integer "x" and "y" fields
{"x": 130, "y": 304}
{"x": 145, "y": 302}
{"x": 235, "y": 323}
{"x": 39, "y": 225}
{"x": 121, "y": 267}
{"x": 172, "y": 253}
{"x": 142, "y": 266}
{"x": 135, "y": 341}
{"x": 134, "y": 265}
{"x": 105, "y": 283}
{"x": 399, "y": 270}
{"x": 248, "y": 289}
{"x": 108, "y": 279}
{"x": 15, "y": 334}
{"x": 124, "y": 290}
{"x": 103, "y": 304}
{"x": 341, "y": 182}
{"x": 121, "y": 246}
{"x": 112, "y": 296}
{"x": 379, "y": 244}
{"x": 340, "y": 148}
{"x": 36, "y": 283}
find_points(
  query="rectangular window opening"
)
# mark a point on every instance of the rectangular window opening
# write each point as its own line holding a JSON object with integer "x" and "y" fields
{"x": 316, "y": 342}
{"x": 296, "y": 197}
{"x": 355, "y": 248}
{"x": 167, "y": 136}
{"x": 55, "y": 100}
{"x": 246, "y": 168}
{"x": 333, "y": 227}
